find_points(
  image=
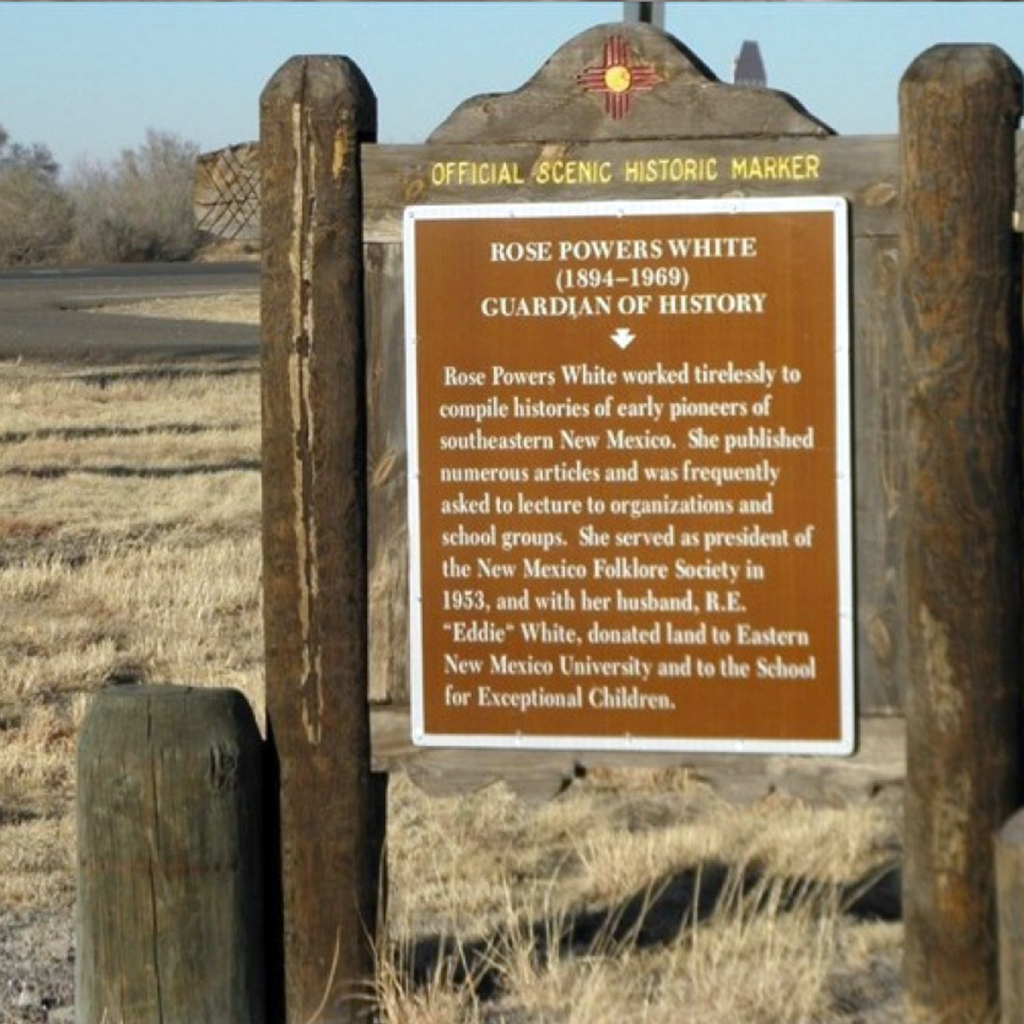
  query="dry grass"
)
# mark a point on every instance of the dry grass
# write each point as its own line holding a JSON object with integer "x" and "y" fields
{"x": 129, "y": 526}
{"x": 129, "y": 522}
{"x": 615, "y": 903}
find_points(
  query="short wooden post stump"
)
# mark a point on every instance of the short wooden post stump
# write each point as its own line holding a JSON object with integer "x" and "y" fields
{"x": 170, "y": 918}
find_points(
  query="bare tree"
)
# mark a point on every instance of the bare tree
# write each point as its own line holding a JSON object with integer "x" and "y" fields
{"x": 35, "y": 213}
{"x": 140, "y": 207}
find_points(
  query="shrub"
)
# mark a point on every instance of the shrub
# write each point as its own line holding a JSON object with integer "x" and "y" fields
{"x": 139, "y": 208}
{"x": 35, "y": 213}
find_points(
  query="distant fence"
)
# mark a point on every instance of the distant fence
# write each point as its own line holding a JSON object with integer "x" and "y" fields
{"x": 226, "y": 193}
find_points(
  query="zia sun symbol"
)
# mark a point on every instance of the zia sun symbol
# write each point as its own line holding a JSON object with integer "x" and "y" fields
{"x": 618, "y": 77}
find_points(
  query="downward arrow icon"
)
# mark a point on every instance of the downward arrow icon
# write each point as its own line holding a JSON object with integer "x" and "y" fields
{"x": 623, "y": 337}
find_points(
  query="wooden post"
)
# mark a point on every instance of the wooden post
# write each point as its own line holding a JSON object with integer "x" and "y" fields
{"x": 315, "y": 113}
{"x": 959, "y": 108}
{"x": 169, "y": 917}
{"x": 1010, "y": 888}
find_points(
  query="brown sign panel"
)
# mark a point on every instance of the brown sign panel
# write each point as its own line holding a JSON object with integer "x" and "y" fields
{"x": 630, "y": 475}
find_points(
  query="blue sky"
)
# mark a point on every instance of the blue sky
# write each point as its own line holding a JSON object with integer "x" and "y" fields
{"x": 88, "y": 79}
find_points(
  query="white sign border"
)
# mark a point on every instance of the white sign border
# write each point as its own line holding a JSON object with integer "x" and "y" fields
{"x": 839, "y": 208}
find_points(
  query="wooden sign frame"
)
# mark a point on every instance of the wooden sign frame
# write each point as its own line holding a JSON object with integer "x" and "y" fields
{"x": 937, "y": 396}
{"x": 764, "y": 713}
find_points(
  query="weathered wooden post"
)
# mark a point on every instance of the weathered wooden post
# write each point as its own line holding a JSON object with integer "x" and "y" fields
{"x": 315, "y": 113}
{"x": 959, "y": 108}
{"x": 169, "y": 919}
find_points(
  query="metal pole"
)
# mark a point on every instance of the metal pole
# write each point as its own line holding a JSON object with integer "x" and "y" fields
{"x": 647, "y": 13}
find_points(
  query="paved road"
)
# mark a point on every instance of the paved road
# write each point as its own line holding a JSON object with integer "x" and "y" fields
{"x": 41, "y": 318}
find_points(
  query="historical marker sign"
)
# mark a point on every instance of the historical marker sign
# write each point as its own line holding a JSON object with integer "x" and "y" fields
{"x": 630, "y": 495}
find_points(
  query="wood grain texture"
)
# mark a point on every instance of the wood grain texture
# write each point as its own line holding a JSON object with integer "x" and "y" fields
{"x": 540, "y": 774}
{"x": 169, "y": 917}
{"x": 315, "y": 114}
{"x": 863, "y": 168}
{"x": 879, "y": 467}
{"x": 389, "y": 532}
{"x": 961, "y": 331}
{"x": 687, "y": 101}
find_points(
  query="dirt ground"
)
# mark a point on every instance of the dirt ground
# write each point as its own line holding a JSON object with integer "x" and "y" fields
{"x": 37, "y": 958}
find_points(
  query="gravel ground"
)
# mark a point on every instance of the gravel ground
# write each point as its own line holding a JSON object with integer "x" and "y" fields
{"x": 37, "y": 965}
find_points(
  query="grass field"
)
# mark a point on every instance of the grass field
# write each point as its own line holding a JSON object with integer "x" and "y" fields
{"x": 129, "y": 550}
